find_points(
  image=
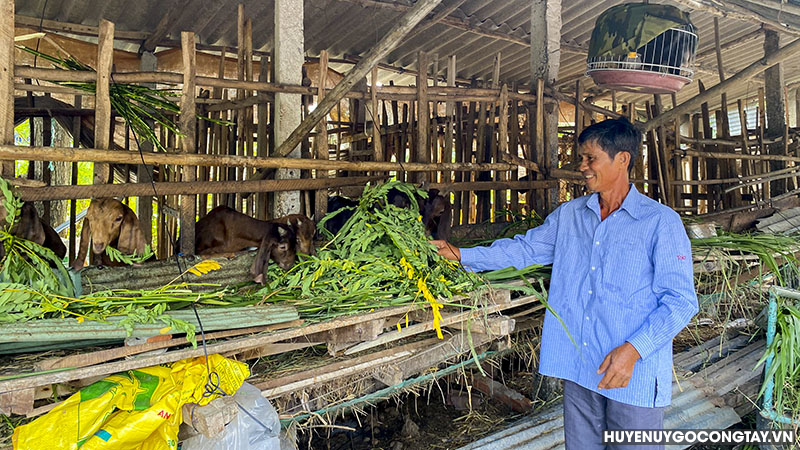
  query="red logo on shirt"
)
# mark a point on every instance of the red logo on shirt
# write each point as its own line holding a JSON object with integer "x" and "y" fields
{"x": 681, "y": 258}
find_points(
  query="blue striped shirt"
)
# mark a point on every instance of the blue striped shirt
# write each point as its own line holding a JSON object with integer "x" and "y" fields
{"x": 626, "y": 278}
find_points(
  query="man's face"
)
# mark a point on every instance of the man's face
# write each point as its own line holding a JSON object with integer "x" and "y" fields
{"x": 599, "y": 170}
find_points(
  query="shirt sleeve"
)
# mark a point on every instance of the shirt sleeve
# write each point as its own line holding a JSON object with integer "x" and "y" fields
{"x": 673, "y": 285}
{"x": 534, "y": 247}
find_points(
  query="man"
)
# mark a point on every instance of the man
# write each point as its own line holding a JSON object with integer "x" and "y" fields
{"x": 622, "y": 283}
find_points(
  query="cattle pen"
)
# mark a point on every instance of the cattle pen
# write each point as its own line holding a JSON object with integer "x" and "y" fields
{"x": 276, "y": 108}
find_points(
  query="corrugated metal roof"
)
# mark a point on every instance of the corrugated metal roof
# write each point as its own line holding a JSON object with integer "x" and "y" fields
{"x": 694, "y": 405}
{"x": 352, "y": 27}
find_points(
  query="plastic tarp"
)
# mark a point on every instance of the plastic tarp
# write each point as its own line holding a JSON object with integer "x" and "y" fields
{"x": 134, "y": 410}
{"x": 625, "y": 28}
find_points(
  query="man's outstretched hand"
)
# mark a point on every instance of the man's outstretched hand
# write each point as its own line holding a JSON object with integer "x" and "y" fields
{"x": 447, "y": 250}
{"x": 618, "y": 367}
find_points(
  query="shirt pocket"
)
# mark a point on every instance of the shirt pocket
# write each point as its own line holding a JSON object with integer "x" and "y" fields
{"x": 626, "y": 267}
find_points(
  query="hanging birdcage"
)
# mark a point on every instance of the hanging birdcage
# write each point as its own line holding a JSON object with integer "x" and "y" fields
{"x": 642, "y": 48}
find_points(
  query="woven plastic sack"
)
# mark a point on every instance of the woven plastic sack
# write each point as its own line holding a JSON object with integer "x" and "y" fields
{"x": 138, "y": 409}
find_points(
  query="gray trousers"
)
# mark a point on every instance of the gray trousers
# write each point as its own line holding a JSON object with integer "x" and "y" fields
{"x": 587, "y": 414}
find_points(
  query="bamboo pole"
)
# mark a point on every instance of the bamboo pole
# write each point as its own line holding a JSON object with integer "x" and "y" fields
{"x": 124, "y": 157}
{"x": 102, "y": 117}
{"x": 171, "y": 188}
{"x": 187, "y": 124}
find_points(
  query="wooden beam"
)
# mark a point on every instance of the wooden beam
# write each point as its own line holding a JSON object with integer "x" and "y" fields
{"x": 126, "y": 157}
{"x": 173, "y": 12}
{"x": 465, "y": 25}
{"x": 187, "y": 123}
{"x": 75, "y": 28}
{"x": 102, "y": 116}
{"x": 736, "y": 12}
{"x": 7, "y": 50}
{"x": 390, "y": 40}
{"x": 188, "y": 189}
{"x": 689, "y": 106}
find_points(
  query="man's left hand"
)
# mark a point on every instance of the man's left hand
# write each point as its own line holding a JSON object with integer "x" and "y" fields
{"x": 618, "y": 367}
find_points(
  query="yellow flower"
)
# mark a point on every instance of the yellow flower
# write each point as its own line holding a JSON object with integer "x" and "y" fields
{"x": 435, "y": 306}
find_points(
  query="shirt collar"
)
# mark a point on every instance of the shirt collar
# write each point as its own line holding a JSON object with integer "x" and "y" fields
{"x": 631, "y": 204}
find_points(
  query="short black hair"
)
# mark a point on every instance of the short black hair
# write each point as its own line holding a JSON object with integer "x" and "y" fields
{"x": 614, "y": 136}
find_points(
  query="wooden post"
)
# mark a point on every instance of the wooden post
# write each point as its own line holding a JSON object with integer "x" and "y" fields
{"x": 545, "y": 62}
{"x": 322, "y": 151}
{"x": 726, "y": 167}
{"x": 449, "y": 112}
{"x": 76, "y": 143}
{"x": 7, "y": 50}
{"x": 262, "y": 132}
{"x": 499, "y": 197}
{"x": 377, "y": 147}
{"x": 144, "y": 173}
{"x": 423, "y": 114}
{"x": 502, "y": 148}
{"x": 762, "y": 129}
{"x": 695, "y": 167}
{"x": 711, "y": 166}
{"x": 469, "y": 139}
{"x": 102, "y": 115}
{"x": 539, "y": 149}
{"x": 187, "y": 124}
{"x": 513, "y": 147}
{"x": 776, "y": 117}
{"x": 482, "y": 205}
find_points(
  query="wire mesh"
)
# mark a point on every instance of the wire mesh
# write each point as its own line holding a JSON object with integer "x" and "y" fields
{"x": 671, "y": 52}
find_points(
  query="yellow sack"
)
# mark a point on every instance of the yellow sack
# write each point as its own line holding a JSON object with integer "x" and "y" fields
{"x": 138, "y": 409}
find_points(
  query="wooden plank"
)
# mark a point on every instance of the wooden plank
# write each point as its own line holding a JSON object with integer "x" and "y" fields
{"x": 446, "y": 320}
{"x": 102, "y": 117}
{"x": 210, "y": 420}
{"x": 491, "y": 326}
{"x": 274, "y": 387}
{"x": 7, "y": 50}
{"x": 438, "y": 351}
{"x": 100, "y": 356}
